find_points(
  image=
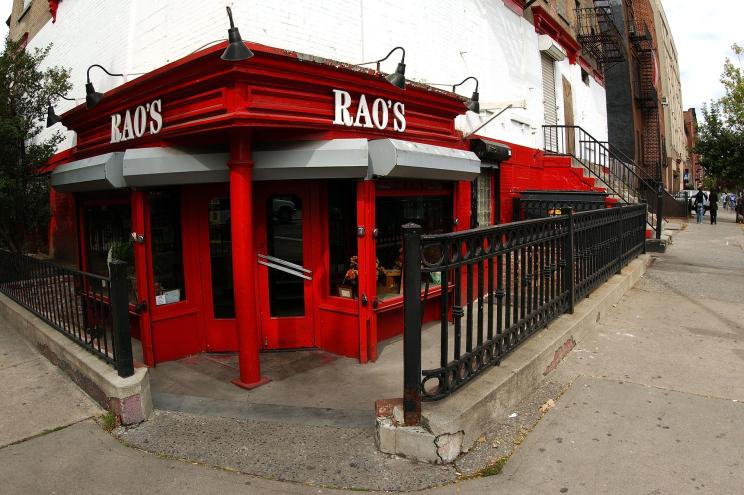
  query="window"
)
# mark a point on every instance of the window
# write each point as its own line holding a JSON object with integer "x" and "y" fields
{"x": 342, "y": 240}
{"x": 107, "y": 237}
{"x": 167, "y": 252}
{"x": 220, "y": 258}
{"x": 484, "y": 184}
{"x": 24, "y": 9}
{"x": 585, "y": 77}
{"x": 428, "y": 205}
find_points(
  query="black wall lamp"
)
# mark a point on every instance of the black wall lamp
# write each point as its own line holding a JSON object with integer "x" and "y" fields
{"x": 397, "y": 78}
{"x": 52, "y": 117}
{"x": 236, "y": 49}
{"x": 473, "y": 104}
{"x": 92, "y": 97}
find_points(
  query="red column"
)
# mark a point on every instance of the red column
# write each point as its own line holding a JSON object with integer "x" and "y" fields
{"x": 244, "y": 260}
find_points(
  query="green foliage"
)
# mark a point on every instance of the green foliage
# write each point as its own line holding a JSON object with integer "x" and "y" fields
{"x": 26, "y": 88}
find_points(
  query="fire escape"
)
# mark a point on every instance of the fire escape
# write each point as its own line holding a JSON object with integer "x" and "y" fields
{"x": 598, "y": 34}
{"x": 644, "y": 72}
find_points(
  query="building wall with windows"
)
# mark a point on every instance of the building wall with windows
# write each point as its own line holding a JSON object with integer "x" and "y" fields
{"x": 444, "y": 41}
{"x": 671, "y": 98}
{"x": 28, "y": 17}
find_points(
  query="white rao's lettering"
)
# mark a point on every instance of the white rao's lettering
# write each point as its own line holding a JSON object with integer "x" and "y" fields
{"x": 370, "y": 115}
{"x": 134, "y": 124}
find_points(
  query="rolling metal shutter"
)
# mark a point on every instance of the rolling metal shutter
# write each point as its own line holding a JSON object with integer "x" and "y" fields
{"x": 549, "y": 104}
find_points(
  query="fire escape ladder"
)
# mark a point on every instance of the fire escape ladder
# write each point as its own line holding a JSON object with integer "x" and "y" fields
{"x": 598, "y": 34}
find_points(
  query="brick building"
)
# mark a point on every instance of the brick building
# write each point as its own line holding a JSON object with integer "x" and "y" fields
{"x": 693, "y": 172}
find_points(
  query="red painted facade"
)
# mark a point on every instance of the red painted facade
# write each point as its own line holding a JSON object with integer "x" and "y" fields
{"x": 274, "y": 97}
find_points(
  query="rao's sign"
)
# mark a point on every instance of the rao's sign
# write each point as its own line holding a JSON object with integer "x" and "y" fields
{"x": 380, "y": 113}
{"x": 134, "y": 124}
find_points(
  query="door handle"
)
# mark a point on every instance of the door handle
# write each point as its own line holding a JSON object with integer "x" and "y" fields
{"x": 285, "y": 266}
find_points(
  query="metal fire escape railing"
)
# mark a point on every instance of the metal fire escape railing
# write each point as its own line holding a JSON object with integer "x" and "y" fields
{"x": 598, "y": 34}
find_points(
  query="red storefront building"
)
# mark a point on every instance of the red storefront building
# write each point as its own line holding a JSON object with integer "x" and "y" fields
{"x": 259, "y": 202}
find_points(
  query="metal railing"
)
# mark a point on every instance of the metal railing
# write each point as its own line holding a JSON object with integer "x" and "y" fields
{"x": 616, "y": 171}
{"x": 504, "y": 283}
{"x": 90, "y": 309}
{"x": 529, "y": 208}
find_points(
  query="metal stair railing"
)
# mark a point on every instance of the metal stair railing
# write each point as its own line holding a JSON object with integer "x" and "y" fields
{"x": 613, "y": 169}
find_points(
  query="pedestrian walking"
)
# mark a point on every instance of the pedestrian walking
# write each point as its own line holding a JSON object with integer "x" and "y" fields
{"x": 700, "y": 198}
{"x": 725, "y": 201}
{"x": 713, "y": 207}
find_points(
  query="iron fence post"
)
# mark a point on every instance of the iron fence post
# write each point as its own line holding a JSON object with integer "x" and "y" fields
{"x": 570, "y": 269}
{"x": 643, "y": 232}
{"x": 620, "y": 244}
{"x": 411, "y": 324}
{"x": 123, "y": 360}
{"x": 659, "y": 209}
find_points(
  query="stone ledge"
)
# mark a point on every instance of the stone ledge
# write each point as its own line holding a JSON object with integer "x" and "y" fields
{"x": 452, "y": 425}
{"x": 129, "y": 398}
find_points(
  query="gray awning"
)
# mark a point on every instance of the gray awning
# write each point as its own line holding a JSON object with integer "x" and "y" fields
{"x": 405, "y": 159}
{"x": 334, "y": 159}
{"x": 145, "y": 167}
{"x": 98, "y": 173}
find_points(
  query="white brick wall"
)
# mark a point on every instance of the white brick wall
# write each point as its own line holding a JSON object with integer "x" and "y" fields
{"x": 445, "y": 42}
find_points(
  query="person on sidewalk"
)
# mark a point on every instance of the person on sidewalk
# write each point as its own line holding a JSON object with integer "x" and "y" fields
{"x": 700, "y": 198}
{"x": 714, "y": 207}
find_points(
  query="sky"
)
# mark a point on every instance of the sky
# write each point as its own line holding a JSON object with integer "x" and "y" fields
{"x": 703, "y": 37}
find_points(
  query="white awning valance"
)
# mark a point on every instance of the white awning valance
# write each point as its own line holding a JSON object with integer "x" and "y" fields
{"x": 405, "y": 159}
{"x": 98, "y": 173}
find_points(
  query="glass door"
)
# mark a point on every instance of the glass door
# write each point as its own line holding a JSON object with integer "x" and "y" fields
{"x": 215, "y": 259}
{"x": 283, "y": 256}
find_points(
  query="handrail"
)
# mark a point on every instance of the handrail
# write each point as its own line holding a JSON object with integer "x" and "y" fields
{"x": 617, "y": 171}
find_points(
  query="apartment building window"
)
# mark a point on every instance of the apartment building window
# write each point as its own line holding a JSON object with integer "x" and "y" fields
{"x": 24, "y": 9}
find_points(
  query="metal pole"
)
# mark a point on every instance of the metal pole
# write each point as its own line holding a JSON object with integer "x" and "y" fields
{"x": 411, "y": 324}
{"x": 659, "y": 209}
{"x": 120, "y": 319}
{"x": 570, "y": 269}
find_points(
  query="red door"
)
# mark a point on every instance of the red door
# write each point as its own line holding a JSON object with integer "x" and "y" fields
{"x": 285, "y": 239}
{"x": 212, "y": 204}
{"x": 173, "y": 279}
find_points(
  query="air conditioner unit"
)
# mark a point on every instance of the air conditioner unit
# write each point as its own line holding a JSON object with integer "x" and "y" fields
{"x": 664, "y": 100}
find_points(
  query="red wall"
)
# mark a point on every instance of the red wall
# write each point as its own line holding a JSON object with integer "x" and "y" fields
{"x": 530, "y": 169}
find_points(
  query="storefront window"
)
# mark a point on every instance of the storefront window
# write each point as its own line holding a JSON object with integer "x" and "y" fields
{"x": 167, "y": 252}
{"x": 342, "y": 240}
{"x": 432, "y": 212}
{"x": 285, "y": 245}
{"x": 107, "y": 232}
{"x": 220, "y": 256}
{"x": 483, "y": 184}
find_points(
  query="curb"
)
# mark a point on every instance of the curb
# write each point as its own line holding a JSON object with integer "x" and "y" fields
{"x": 452, "y": 425}
{"x": 129, "y": 398}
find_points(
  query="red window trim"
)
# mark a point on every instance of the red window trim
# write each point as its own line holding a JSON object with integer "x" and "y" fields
{"x": 545, "y": 24}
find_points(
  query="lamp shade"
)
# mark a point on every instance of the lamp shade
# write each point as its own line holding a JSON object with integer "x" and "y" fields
{"x": 473, "y": 104}
{"x": 52, "y": 118}
{"x": 92, "y": 97}
{"x": 398, "y": 78}
{"x": 236, "y": 50}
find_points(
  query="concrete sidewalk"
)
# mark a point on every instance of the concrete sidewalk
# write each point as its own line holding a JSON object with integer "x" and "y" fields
{"x": 35, "y": 396}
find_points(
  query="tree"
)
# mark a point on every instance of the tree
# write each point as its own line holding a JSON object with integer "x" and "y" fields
{"x": 721, "y": 135}
{"x": 26, "y": 90}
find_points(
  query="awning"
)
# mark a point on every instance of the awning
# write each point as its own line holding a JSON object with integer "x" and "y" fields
{"x": 145, "y": 167}
{"x": 334, "y": 159}
{"x": 98, "y": 173}
{"x": 405, "y": 159}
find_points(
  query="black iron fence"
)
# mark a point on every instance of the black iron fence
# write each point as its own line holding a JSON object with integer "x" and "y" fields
{"x": 503, "y": 283}
{"x": 90, "y": 309}
{"x": 541, "y": 204}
